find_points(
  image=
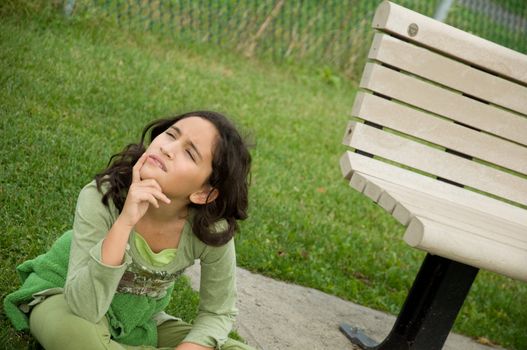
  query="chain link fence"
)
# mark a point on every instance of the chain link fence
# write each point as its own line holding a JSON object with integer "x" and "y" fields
{"x": 328, "y": 33}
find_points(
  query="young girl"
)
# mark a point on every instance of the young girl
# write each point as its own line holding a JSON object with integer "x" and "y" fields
{"x": 137, "y": 226}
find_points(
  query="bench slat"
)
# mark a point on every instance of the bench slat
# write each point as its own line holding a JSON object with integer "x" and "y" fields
{"x": 437, "y": 162}
{"x": 454, "y": 42}
{"x": 448, "y": 72}
{"x": 351, "y": 162}
{"x": 466, "y": 247}
{"x": 404, "y": 205}
{"x": 473, "y": 233}
{"x": 361, "y": 182}
{"x": 513, "y": 238}
{"x": 440, "y": 131}
{"x": 422, "y": 204}
{"x": 443, "y": 102}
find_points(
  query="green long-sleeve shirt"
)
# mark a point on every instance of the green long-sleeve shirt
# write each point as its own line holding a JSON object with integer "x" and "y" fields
{"x": 91, "y": 285}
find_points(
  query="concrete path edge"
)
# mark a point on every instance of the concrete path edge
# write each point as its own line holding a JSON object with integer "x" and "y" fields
{"x": 275, "y": 315}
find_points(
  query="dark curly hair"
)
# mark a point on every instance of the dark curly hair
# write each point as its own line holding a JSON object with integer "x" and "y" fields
{"x": 230, "y": 176}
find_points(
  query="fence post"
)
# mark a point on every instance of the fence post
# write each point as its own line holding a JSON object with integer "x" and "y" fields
{"x": 274, "y": 12}
{"x": 68, "y": 7}
{"x": 442, "y": 10}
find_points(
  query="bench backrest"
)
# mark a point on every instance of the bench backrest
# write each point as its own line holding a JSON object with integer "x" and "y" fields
{"x": 445, "y": 103}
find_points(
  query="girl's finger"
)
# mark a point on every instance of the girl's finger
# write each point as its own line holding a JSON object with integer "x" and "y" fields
{"x": 160, "y": 195}
{"x": 153, "y": 201}
{"x": 137, "y": 167}
{"x": 151, "y": 183}
{"x": 152, "y": 186}
{"x": 147, "y": 194}
{"x": 149, "y": 191}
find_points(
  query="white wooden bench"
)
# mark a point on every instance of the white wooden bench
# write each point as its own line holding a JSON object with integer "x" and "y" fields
{"x": 439, "y": 140}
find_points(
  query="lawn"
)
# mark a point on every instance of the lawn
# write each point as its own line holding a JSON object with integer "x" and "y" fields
{"x": 74, "y": 92}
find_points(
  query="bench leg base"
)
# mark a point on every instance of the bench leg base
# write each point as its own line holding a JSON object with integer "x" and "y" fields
{"x": 356, "y": 336}
{"x": 429, "y": 311}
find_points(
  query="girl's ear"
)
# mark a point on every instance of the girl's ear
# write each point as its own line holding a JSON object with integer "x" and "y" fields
{"x": 207, "y": 195}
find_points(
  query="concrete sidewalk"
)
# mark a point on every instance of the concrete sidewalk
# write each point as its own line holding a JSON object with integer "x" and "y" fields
{"x": 275, "y": 315}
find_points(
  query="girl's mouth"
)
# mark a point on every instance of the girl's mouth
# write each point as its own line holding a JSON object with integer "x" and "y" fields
{"x": 158, "y": 162}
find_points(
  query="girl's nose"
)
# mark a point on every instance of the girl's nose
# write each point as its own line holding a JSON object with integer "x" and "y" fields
{"x": 167, "y": 151}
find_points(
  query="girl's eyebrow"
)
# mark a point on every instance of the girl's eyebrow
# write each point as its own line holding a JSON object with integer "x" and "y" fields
{"x": 192, "y": 145}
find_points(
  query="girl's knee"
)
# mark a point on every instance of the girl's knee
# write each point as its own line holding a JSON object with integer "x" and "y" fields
{"x": 171, "y": 333}
{"x": 232, "y": 344}
{"x": 55, "y": 327}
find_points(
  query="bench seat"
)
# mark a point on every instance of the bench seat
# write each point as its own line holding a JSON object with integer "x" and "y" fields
{"x": 443, "y": 219}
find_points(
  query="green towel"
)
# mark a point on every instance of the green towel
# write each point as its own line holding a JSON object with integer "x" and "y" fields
{"x": 130, "y": 316}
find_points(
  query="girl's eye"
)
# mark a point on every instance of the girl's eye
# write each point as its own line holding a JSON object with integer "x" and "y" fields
{"x": 191, "y": 156}
{"x": 189, "y": 152}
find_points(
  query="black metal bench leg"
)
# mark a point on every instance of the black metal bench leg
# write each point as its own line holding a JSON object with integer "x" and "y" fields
{"x": 430, "y": 309}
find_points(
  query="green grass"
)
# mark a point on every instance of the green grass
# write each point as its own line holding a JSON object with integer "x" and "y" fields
{"x": 74, "y": 92}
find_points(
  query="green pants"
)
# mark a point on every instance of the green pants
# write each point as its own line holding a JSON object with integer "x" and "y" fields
{"x": 55, "y": 327}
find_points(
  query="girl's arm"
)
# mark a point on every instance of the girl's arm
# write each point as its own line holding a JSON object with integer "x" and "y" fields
{"x": 141, "y": 194}
{"x": 217, "y": 309}
{"x": 90, "y": 284}
{"x": 98, "y": 256}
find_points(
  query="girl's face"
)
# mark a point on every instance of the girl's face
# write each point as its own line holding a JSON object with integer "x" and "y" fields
{"x": 180, "y": 159}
